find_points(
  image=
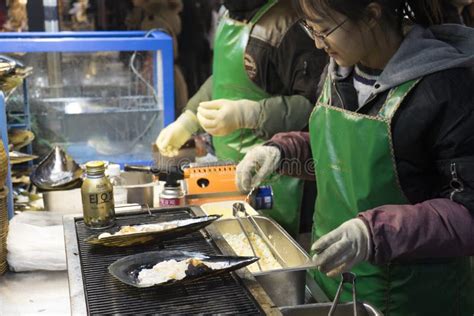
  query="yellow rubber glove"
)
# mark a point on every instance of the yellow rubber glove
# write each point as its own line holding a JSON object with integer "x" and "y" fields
{"x": 177, "y": 133}
{"x": 222, "y": 117}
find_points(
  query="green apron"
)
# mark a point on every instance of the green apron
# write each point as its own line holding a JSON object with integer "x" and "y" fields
{"x": 231, "y": 81}
{"x": 355, "y": 172}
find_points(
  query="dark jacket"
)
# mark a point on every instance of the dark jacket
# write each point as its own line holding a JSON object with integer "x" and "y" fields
{"x": 433, "y": 141}
{"x": 195, "y": 54}
{"x": 282, "y": 60}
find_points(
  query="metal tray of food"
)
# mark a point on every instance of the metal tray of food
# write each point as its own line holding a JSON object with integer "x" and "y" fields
{"x": 293, "y": 270}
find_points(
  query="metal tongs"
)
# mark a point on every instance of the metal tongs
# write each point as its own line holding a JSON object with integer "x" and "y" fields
{"x": 236, "y": 208}
{"x": 347, "y": 277}
{"x": 240, "y": 208}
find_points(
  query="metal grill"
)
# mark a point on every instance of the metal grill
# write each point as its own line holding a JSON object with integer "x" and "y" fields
{"x": 106, "y": 295}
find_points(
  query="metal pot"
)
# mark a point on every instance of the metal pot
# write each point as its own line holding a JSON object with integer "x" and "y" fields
{"x": 139, "y": 190}
{"x": 139, "y": 187}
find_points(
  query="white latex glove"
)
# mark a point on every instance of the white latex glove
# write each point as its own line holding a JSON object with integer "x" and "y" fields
{"x": 177, "y": 133}
{"x": 222, "y": 117}
{"x": 339, "y": 250}
{"x": 258, "y": 164}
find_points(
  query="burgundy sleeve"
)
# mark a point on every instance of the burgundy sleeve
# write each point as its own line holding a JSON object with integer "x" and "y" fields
{"x": 295, "y": 148}
{"x": 438, "y": 228}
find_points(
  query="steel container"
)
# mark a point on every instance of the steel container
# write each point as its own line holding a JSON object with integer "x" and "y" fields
{"x": 171, "y": 196}
{"x": 322, "y": 309}
{"x": 285, "y": 286}
{"x": 139, "y": 190}
{"x": 139, "y": 187}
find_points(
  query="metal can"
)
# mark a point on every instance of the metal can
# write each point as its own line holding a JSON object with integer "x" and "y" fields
{"x": 171, "y": 196}
{"x": 97, "y": 197}
{"x": 262, "y": 198}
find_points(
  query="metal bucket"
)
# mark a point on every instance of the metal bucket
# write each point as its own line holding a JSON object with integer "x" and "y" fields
{"x": 139, "y": 187}
{"x": 63, "y": 201}
{"x": 354, "y": 308}
{"x": 322, "y": 309}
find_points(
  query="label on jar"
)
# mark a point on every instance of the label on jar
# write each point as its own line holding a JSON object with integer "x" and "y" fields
{"x": 100, "y": 198}
{"x": 262, "y": 198}
{"x": 164, "y": 202}
{"x": 99, "y": 209}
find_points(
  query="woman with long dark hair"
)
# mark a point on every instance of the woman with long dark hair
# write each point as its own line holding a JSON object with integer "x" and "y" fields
{"x": 391, "y": 138}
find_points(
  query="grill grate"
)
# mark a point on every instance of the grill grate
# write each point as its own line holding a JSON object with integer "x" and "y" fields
{"x": 106, "y": 295}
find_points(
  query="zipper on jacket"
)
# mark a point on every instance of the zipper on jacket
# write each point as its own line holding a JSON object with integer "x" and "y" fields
{"x": 370, "y": 99}
{"x": 338, "y": 95}
{"x": 455, "y": 184}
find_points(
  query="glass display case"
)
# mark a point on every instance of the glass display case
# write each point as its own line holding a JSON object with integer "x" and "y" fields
{"x": 99, "y": 95}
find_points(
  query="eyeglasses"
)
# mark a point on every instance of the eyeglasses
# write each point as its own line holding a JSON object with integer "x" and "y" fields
{"x": 317, "y": 35}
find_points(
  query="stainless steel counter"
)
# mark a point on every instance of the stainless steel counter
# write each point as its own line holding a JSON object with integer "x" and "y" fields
{"x": 48, "y": 293}
{"x": 34, "y": 293}
{"x": 38, "y": 292}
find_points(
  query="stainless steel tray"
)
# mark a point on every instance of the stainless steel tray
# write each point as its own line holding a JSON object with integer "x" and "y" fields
{"x": 297, "y": 261}
{"x": 294, "y": 256}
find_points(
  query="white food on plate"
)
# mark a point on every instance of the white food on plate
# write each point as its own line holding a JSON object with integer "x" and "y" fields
{"x": 163, "y": 272}
{"x": 172, "y": 270}
{"x": 126, "y": 230}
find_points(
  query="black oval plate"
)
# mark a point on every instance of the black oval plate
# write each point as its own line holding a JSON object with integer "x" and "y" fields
{"x": 189, "y": 225}
{"x": 126, "y": 269}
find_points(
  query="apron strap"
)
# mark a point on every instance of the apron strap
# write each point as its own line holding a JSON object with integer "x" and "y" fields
{"x": 262, "y": 11}
{"x": 325, "y": 96}
{"x": 395, "y": 98}
{"x": 257, "y": 16}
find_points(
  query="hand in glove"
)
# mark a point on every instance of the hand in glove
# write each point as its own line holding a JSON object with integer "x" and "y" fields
{"x": 222, "y": 117}
{"x": 341, "y": 249}
{"x": 176, "y": 134}
{"x": 258, "y": 163}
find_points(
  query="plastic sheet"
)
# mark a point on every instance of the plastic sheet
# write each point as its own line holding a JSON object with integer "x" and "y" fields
{"x": 36, "y": 242}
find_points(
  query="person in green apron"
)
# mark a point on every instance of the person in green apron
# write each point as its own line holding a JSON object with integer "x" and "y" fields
{"x": 391, "y": 148}
{"x": 264, "y": 69}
